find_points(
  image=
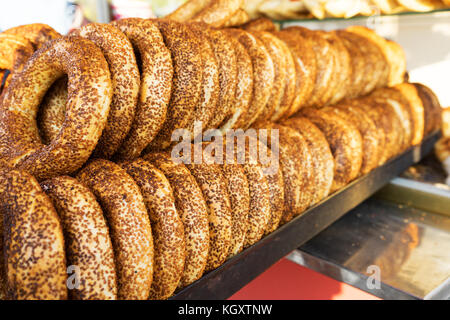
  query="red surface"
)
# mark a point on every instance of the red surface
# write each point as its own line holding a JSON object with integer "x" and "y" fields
{"x": 289, "y": 281}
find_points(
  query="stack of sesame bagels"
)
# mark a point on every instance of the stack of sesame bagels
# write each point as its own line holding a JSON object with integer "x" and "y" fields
{"x": 114, "y": 207}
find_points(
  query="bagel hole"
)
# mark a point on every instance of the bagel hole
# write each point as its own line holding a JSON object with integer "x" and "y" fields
{"x": 52, "y": 110}
{"x": 4, "y": 73}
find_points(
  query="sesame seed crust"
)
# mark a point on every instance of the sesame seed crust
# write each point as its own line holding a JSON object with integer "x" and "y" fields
{"x": 129, "y": 224}
{"x": 214, "y": 188}
{"x": 192, "y": 209}
{"x": 345, "y": 142}
{"x": 187, "y": 79}
{"x": 263, "y": 71}
{"x": 323, "y": 158}
{"x": 89, "y": 92}
{"x": 167, "y": 227}
{"x": 87, "y": 241}
{"x": 238, "y": 190}
{"x": 35, "y": 262}
{"x": 157, "y": 74}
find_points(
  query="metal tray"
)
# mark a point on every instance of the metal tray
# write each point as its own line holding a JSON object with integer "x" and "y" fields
{"x": 235, "y": 273}
{"x": 402, "y": 234}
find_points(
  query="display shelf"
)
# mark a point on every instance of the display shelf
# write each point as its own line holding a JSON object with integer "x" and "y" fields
{"x": 401, "y": 236}
{"x": 235, "y": 273}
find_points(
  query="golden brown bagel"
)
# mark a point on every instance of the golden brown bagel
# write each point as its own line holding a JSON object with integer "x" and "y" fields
{"x": 305, "y": 68}
{"x": 187, "y": 79}
{"x": 218, "y": 12}
{"x": 343, "y": 77}
{"x": 188, "y": 10}
{"x": 157, "y": 74}
{"x": 263, "y": 72}
{"x": 345, "y": 142}
{"x": 129, "y": 224}
{"x": 225, "y": 50}
{"x": 86, "y": 235}
{"x": 167, "y": 227}
{"x": 367, "y": 129}
{"x": 210, "y": 178}
{"x": 87, "y": 108}
{"x": 260, "y": 211}
{"x": 432, "y": 108}
{"x": 320, "y": 150}
{"x": 35, "y": 262}
{"x": 191, "y": 207}
{"x": 125, "y": 78}
{"x": 260, "y": 24}
{"x": 277, "y": 51}
{"x": 297, "y": 170}
{"x": 325, "y": 63}
{"x": 238, "y": 190}
{"x": 207, "y": 105}
{"x": 239, "y": 18}
{"x": 36, "y": 33}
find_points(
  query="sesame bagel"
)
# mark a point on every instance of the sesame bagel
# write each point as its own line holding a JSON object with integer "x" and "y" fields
{"x": 238, "y": 190}
{"x": 129, "y": 224}
{"x": 192, "y": 209}
{"x": 36, "y": 33}
{"x": 35, "y": 263}
{"x": 214, "y": 188}
{"x": 432, "y": 108}
{"x": 225, "y": 51}
{"x": 125, "y": 79}
{"x": 260, "y": 24}
{"x": 187, "y": 79}
{"x": 343, "y": 77}
{"x": 323, "y": 158}
{"x": 87, "y": 240}
{"x": 345, "y": 142}
{"x": 297, "y": 169}
{"x": 207, "y": 106}
{"x": 89, "y": 93}
{"x": 277, "y": 51}
{"x": 263, "y": 71}
{"x": 167, "y": 227}
{"x": 305, "y": 68}
{"x": 368, "y": 131}
{"x": 157, "y": 74}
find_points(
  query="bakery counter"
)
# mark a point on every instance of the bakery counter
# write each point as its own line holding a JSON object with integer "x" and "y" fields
{"x": 396, "y": 245}
{"x": 222, "y": 282}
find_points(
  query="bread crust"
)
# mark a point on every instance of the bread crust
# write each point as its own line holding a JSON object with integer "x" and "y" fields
{"x": 321, "y": 152}
{"x": 36, "y": 33}
{"x": 167, "y": 227}
{"x": 157, "y": 82}
{"x": 128, "y": 220}
{"x": 87, "y": 241}
{"x": 90, "y": 92}
{"x": 432, "y": 108}
{"x": 192, "y": 209}
{"x": 345, "y": 142}
{"x": 35, "y": 263}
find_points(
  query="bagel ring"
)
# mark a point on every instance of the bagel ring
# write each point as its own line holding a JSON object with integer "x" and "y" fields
{"x": 277, "y": 51}
{"x": 297, "y": 170}
{"x": 238, "y": 190}
{"x": 157, "y": 74}
{"x": 260, "y": 24}
{"x": 225, "y": 52}
{"x": 432, "y": 108}
{"x": 263, "y": 72}
{"x": 88, "y": 245}
{"x": 305, "y": 68}
{"x": 319, "y": 148}
{"x": 187, "y": 80}
{"x": 214, "y": 188}
{"x": 167, "y": 227}
{"x": 345, "y": 142}
{"x": 36, "y": 33}
{"x": 237, "y": 113}
{"x": 129, "y": 224}
{"x": 119, "y": 54}
{"x": 260, "y": 210}
{"x": 191, "y": 206}
{"x": 89, "y": 93}
{"x": 35, "y": 262}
